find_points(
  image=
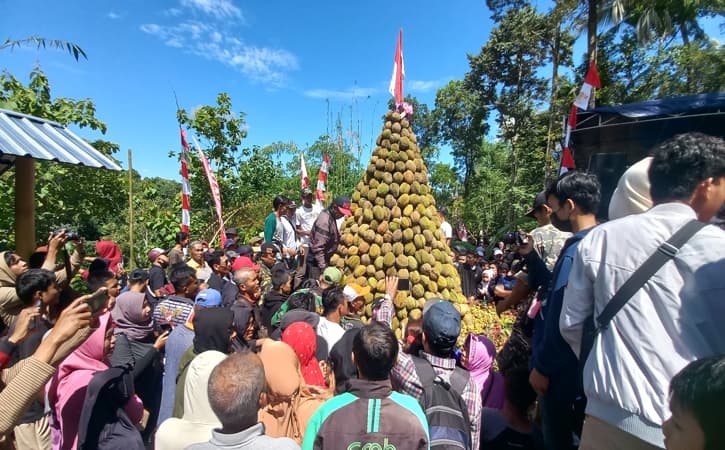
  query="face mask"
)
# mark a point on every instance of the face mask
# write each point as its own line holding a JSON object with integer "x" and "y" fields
{"x": 563, "y": 225}
{"x": 164, "y": 265}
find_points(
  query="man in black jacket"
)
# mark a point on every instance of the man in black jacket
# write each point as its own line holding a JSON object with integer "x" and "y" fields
{"x": 326, "y": 236}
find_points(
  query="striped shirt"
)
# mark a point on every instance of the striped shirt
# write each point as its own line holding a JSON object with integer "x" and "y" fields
{"x": 407, "y": 380}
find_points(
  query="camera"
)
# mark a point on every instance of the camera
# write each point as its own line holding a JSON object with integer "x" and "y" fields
{"x": 514, "y": 237}
{"x": 71, "y": 235}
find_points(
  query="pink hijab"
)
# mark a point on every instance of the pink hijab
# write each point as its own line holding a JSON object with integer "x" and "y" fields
{"x": 481, "y": 354}
{"x": 66, "y": 390}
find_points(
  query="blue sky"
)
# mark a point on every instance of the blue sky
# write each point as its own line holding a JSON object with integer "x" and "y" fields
{"x": 279, "y": 61}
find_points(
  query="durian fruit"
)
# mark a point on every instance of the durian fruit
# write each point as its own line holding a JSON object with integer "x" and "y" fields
{"x": 395, "y": 228}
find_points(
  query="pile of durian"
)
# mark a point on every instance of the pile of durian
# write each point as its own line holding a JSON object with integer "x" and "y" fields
{"x": 395, "y": 228}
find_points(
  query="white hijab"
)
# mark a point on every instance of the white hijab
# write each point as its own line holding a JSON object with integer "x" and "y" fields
{"x": 199, "y": 420}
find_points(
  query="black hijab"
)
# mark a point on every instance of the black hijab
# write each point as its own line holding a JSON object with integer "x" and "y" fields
{"x": 212, "y": 329}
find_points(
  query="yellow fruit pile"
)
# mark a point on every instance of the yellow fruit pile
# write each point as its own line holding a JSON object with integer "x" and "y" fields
{"x": 484, "y": 320}
{"x": 395, "y": 228}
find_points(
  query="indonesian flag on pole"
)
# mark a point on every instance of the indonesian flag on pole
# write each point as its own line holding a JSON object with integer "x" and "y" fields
{"x": 215, "y": 191}
{"x": 185, "y": 186}
{"x": 303, "y": 172}
{"x": 567, "y": 161}
{"x": 396, "y": 81}
{"x": 590, "y": 81}
{"x": 322, "y": 179}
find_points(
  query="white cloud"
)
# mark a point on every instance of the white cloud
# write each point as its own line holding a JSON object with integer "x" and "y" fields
{"x": 341, "y": 94}
{"x": 261, "y": 64}
{"x": 113, "y": 16}
{"x": 172, "y": 12}
{"x": 423, "y": 85}
{"x": 221, "y": 9}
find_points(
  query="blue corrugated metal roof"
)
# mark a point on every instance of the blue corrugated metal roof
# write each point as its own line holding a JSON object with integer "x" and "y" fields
{"x": 23, "y": 135}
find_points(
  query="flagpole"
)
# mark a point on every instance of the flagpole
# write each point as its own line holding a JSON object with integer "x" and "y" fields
{"x": 131, "y": 262}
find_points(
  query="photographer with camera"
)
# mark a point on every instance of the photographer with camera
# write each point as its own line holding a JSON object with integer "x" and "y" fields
{"x": 574, "y": 199}
{"x": 13, "y": 265}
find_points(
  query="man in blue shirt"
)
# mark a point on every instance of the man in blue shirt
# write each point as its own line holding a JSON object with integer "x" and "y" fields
{"x": 574, "y": 200}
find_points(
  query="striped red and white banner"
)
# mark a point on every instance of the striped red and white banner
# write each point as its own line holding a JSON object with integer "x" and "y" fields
{"x": 185, "y": 186}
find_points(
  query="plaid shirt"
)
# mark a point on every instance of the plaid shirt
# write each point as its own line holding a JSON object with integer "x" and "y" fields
{"x": 405, "y": 377}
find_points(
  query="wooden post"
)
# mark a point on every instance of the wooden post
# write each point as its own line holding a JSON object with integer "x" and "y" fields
{"x": 131, "y": 263}
{"x": 24, "y": 206}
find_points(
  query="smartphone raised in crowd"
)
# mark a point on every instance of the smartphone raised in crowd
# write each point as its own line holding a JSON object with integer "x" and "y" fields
{"x": 98, "y": 300}
{"x": 403, "y": 284}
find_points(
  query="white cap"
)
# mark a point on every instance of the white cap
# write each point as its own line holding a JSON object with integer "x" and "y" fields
{"x": 632, "y": 193}
{"x": 497, "y": 251}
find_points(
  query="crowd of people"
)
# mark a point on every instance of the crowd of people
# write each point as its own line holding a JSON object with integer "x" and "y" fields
{"x": 263, "y": 344}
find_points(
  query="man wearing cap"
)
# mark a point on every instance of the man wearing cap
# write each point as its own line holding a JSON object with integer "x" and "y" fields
{"x": 326, "y": 236}
{"x": 355, "y": 303}
{"x": 157, "y": 274}
{"x": 306, "y": 216}
{"x": 441, "y": 328}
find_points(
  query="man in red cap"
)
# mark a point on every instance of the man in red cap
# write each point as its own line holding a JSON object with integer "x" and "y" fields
{"x": 326, "y": 235}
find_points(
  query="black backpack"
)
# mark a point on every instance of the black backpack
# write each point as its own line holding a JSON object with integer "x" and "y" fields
{"x": 104, "y": 424}
{"x": 448, "y": 422}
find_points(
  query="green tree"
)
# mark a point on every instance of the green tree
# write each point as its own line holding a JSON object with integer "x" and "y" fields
{"x": 507, "y": 69}
{"x": 462, "y": 115}
{"x": 444, "y": 183}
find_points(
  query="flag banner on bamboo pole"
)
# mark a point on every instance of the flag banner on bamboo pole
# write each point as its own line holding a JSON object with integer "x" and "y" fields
{"x": 590, "y": 81}
{"x": 215, "y": 191}
{"x": 185, "y": 186}
{"x": 396, "y": 81}
{"x": 322, "y": 179}
{"x": 304, "y": 179}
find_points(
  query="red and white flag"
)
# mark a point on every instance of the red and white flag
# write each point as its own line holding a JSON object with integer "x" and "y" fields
{"x": 590, "y": 81}
{"x": 215, "y": 191}
{"x": 567, "y": 161}
{"x": 185, "y": 186}
{"x": 396, "y": 81}
{"x": 304, "y": 179}
{"x": 322, "y": 179}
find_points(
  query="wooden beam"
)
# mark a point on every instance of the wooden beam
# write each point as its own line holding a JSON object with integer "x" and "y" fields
{"x": 24, "y": 206}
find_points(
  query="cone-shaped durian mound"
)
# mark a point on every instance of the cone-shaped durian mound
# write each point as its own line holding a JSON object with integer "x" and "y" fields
{"x": 395, "y": 229}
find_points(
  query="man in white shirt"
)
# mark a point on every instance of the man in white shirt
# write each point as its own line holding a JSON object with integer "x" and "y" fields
{"x": 446, "y": 227}
{"x": 306, "y": 216}
{"x": 674, "y": 319}
{"x": 334, "y": 304}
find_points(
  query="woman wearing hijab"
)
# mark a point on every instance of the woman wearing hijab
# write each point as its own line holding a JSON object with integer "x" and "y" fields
{"x": 111, "y": 252}
{"x": 478, "y": 356}
{"x": 301, "y": 337}
{"x": 213, "y": 330}
{"x": 67, "y": 389}
{"x": 198, "y": 420}
{"x": 290, "y": 402}
{"x": 244, "y": 327}
{"x": 138, "y": 345}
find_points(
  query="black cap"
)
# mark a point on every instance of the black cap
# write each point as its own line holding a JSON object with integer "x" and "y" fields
{"x": 343, "y": 205}
{"x": 539, "y": 201}
{"x": 231, "y": 231}
{"x": 245, "y": 250}
{"x": 138, "y": 275}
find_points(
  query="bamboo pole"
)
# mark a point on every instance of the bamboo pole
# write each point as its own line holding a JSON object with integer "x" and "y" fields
{"x": 131, "y": 264}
